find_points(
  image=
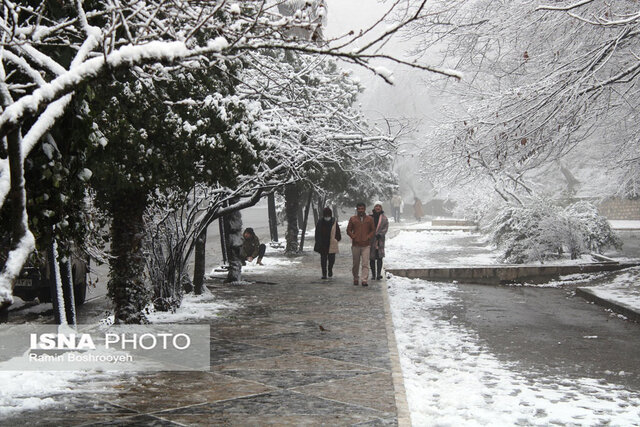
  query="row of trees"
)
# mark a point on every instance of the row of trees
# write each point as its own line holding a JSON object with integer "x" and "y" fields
{"x": 546, "y": 82}
{"x": 547, "y": 109}
{"x": 168, "y": 111}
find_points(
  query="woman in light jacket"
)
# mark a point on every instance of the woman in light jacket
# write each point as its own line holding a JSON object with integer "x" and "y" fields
{"x": 327, "y": 238}
{"x": 376, "y": 253}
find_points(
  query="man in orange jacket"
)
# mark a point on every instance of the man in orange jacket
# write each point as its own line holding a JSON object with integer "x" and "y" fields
{"x": 361, "y": 230}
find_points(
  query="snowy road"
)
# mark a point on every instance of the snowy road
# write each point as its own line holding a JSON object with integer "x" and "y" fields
{"x": 480, "y": 355}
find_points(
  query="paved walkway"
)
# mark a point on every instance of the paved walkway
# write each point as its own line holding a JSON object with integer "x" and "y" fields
{"x": 298, "y": 351}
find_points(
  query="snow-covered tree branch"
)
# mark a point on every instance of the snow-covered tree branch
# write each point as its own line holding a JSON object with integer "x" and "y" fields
{"x": 54, "y": 53}
{"x": 545, "y": 82}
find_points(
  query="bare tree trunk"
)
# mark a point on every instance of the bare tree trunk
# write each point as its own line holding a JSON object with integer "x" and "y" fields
{"x": 233, "y": 227}
{"x": 300, "y": 211}
{"x": 67, "y": 290}
{"x": 57, "y": 293}
{"x": 17, "y": 192}
{"x": 127, "y": 289}
{"x": 304, "y": 221}
{"x": 273, "y": 219}
{"x": 223, "y": 240}
{"x": 572, "y": 182}
{"x": 315, "y": 209}
{"x": 198, "y": 268}
{"x": 291, "y": 203}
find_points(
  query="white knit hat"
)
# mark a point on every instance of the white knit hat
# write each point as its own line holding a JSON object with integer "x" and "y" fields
{"x": 378, "y": 202}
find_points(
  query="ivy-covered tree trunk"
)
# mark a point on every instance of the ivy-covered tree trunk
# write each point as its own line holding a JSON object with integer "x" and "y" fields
{"x": 291, "y": 207}
{"x": 199, "y": 260}
{"x": 127, "y": 287}
{"x": 233, "y": 227}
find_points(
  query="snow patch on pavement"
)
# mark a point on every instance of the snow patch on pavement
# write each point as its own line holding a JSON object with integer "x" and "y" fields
{"x": 274, "y": 260}
{"x": 193, "y": 307}
{"x": 24, "y": 391}
{"x": 33, "y": 390}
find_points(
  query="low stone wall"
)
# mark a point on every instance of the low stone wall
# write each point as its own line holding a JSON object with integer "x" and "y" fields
{"x": 450, "y": 222}
{"x": 618, "y": 307}
{"x": 621, "y": 209}
{"x": 503, "y": 274}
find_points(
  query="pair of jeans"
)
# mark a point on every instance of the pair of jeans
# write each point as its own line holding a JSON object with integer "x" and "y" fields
{"x": 324, "y": 258}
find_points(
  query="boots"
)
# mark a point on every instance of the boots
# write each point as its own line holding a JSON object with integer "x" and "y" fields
{"x": 376, "y": 269}
{"x": 379, "y": 276}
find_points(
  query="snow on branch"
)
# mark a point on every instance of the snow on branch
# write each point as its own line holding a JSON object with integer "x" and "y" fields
{"x": 564, "y": 8}
{"x": 127, "y": 55}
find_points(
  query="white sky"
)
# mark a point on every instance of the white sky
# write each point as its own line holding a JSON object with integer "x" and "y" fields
{"x": 408, "y": 97}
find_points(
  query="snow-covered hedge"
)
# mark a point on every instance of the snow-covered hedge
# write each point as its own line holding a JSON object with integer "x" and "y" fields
{"x": 540, "y": 231}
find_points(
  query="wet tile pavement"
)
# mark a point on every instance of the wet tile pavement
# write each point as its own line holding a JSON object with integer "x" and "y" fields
{"x": 298, "y": 351}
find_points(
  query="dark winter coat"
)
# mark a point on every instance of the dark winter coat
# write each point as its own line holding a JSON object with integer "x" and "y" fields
{"x": 250, "y": 247}
{"x": 327, "y": 236}
{"x": 360, "y": 229}
{"x": 377, "y": 243}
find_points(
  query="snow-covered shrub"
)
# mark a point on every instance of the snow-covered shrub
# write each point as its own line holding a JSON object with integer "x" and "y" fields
{"x": 561, "y": 233}
{"x": 596, "y": 230}
{"x": 520, "y": 231}
{"x": 541, "y": 231}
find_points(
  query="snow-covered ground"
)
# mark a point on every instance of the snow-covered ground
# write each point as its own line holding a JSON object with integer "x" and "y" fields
{"x": 31, "y": 390}
{"x": 413, "y": 249}
{"x": 452, "y": 380}
{"x": 623, "y": 289}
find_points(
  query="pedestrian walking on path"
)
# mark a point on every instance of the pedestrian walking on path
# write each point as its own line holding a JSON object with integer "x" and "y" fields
{"x": 417, "y": 209}
{"x": 327, "y": 238}
{"x": 376, "y": 251}
{"x": 396, "y": 206}
{"x": 361, "y": 230}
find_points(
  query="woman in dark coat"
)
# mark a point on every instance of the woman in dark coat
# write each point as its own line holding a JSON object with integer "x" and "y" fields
{"x": 327, "y": 238}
